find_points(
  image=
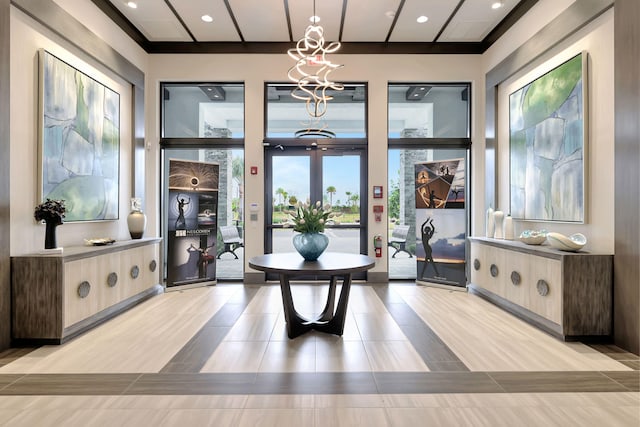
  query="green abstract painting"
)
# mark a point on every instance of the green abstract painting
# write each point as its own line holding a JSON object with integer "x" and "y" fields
{"x": 80, "y": 141}
{"x": 547, "y": 145}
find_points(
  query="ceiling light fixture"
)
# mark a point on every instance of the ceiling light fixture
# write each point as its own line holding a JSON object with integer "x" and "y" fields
{"x": 422, "y": 19}
{"x": 314, "y": 19}
{"x": 497, "y": 5}
{"x": 132, "y": 5}
{"x": 312, "y": 68}
{"x": 206, "y": 18}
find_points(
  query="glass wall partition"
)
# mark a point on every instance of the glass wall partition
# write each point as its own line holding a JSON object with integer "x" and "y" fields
{"x": 429, "y": 127}
{"x": 203, "y": 122}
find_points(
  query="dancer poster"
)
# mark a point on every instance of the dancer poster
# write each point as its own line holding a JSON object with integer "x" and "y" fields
{"x": 192, "y": 217}
{"x": 441, "y": 221}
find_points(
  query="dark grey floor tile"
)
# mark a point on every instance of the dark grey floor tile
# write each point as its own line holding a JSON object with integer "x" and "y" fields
{"x": 316, "y": 383}
{"x": 615, "y": 352}
{"x": 435, "y": 382}
{"x": 197, "y": 351}
{"x": 532, "y": 382}
{"x": 423, "y": 339}
{"x": 8, "y": 379}
{"x": 630, "y": 380}
{"x": 186, "y": 384}
{"x": 70, "y": 384}
{"x": 633, "y": 364}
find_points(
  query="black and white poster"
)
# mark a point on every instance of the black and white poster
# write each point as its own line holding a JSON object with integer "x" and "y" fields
{"x": 441, "y": 222}
{"x": 192, "y": 222}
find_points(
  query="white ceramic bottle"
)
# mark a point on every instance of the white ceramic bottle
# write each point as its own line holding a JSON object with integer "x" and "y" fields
{"x": 507, "y": 227}
{"x": 498, "y": 217}
{"x": 491, "y": 225}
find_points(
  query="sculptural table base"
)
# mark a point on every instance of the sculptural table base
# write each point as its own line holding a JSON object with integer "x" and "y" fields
{"x": 329, "y": 321}
{"x": 329, "y": 264}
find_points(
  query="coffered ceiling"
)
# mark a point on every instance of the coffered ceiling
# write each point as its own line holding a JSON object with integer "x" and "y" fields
{"x": 363, "y": 26}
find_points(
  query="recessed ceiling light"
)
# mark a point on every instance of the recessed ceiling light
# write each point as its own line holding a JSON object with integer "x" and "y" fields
{"x": 422, "y": 19}
{"x": 314, "y": 19}
{"x": 497, "y": 5}
{"x": 390, "y": 14}
{"x": 132, "y": 5}
{"x": 206, "y": 18}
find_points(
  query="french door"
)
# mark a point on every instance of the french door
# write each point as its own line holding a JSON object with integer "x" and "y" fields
{"x": 329, "y": 174}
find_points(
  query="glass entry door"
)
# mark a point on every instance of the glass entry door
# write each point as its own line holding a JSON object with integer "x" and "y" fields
{"x": 333, "y": 176}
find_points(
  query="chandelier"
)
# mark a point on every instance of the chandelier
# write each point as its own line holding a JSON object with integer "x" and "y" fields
{"x": 311, "y": 71}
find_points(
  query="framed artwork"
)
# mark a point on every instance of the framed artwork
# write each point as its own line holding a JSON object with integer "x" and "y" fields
{"x": 79, "y": 137}
{"x": 547, "y": 145}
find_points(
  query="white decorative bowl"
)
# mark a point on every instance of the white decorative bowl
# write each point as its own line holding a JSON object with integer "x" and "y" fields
{"x": 573, "y": 243}
{"x": 533, "y": 237}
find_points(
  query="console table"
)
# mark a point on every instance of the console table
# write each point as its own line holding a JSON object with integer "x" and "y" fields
{"x": 60, "y": 295}
{"x": 333, "y": 264}
{"x": 567, "y": 294}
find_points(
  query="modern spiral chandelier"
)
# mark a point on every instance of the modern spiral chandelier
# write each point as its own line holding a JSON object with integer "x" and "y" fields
{"x": 311, "y": 71}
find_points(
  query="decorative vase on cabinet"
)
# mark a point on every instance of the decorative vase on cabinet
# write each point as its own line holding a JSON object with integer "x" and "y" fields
{"x": 310, "y": 245}
{"x": 137, "y": 220}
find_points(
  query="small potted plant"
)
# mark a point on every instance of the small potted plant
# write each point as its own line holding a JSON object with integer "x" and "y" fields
{"x": 309, "y": 220}
{"x": 51, "y": 212}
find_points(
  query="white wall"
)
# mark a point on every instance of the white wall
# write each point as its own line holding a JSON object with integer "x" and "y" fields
{"x": 255, "y": 70}
{"x": 597, "y": 40}
{"x": 27, "y": 36}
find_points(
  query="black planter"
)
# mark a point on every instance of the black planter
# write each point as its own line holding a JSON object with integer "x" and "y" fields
{"x": 50, "y": 235}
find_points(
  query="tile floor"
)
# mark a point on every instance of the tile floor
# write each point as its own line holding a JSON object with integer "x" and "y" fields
{"x": 410, "y": 355}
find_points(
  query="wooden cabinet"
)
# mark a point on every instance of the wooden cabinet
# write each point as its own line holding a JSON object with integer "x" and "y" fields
{"x": 568, "y": 294}
{"x": 58, "y": 296}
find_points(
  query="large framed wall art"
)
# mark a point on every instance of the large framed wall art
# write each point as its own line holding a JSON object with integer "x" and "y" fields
{"x": 79, "y": 137}
{"x": 548, "y": 145}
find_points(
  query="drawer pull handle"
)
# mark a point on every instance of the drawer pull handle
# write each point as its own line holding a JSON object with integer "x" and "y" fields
{"x": 515, "y": 278}
{"x": 493, "y": 270}
{"x": 542, "y": 287}
{"x": 476, "y": 264}
{"x": 153, "y": 265}
{"x": 135, "y": 271}
{"x": 83, "y": 289}
{"x": 112, "y": 279}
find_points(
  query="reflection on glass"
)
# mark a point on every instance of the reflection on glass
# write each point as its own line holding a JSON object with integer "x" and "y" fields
{"x": 202, "y": 110}
{"x": 287, "y": 117}
{"x": 429, "y": 111}
{"x": 291, "y": 183}
{"x": 341, "y": 185}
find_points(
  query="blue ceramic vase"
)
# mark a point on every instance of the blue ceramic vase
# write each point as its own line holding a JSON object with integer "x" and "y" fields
{"x": 310, "y": 245}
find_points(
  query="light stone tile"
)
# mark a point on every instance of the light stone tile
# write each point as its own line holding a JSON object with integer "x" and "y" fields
{"x": 394, "y": 356}
{"x": 336, "y": 355}
{"x": 352, "y": 417}
{"x": 236, "y": 356}
{"x": 263, "y": 401}
{"x": 297, "y": 355}
{"x": 252, "y": 327}
{"x": 486, "y": 338}
{"x": 201, "y": 417}
{"x": 179, "y": 402}
{"x": 277, "y": 418}
{"x": 350, "y": 401}
{"x": 378, "y": 327}
{"x": 148, "y": 334}
{"x": 7, "y": 414}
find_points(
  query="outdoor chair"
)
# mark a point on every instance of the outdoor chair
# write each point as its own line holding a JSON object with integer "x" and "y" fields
{"x": 231, "y": 239}
{"x": 398, "y": 240}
